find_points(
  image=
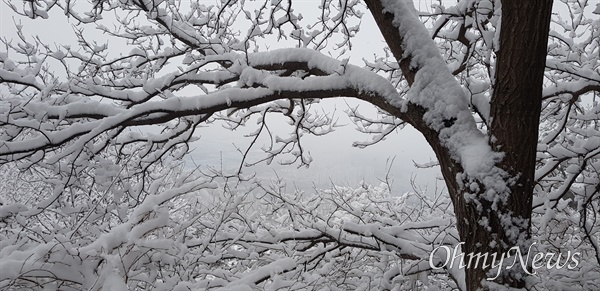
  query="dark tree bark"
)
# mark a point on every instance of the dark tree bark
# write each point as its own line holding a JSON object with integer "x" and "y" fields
{"x": 514, "y": 123}
{"x": 515, "y": 112}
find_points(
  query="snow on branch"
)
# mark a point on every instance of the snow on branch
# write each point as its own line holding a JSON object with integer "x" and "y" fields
{"x": 257, "y": 82}
{"x": 434, "y": 88}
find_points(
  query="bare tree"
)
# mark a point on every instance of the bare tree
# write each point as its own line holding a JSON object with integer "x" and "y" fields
{"x": 478, "y": 80}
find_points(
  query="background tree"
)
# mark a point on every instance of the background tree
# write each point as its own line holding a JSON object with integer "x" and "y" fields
{"x": 478, "y": 80}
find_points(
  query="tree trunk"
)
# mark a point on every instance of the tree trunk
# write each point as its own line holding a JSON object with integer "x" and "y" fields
{"x": 515, "y": 112}
{"x": 514, "y": 117}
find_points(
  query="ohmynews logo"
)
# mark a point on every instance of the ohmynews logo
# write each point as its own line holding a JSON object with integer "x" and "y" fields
{"x": 539, "y": 260}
